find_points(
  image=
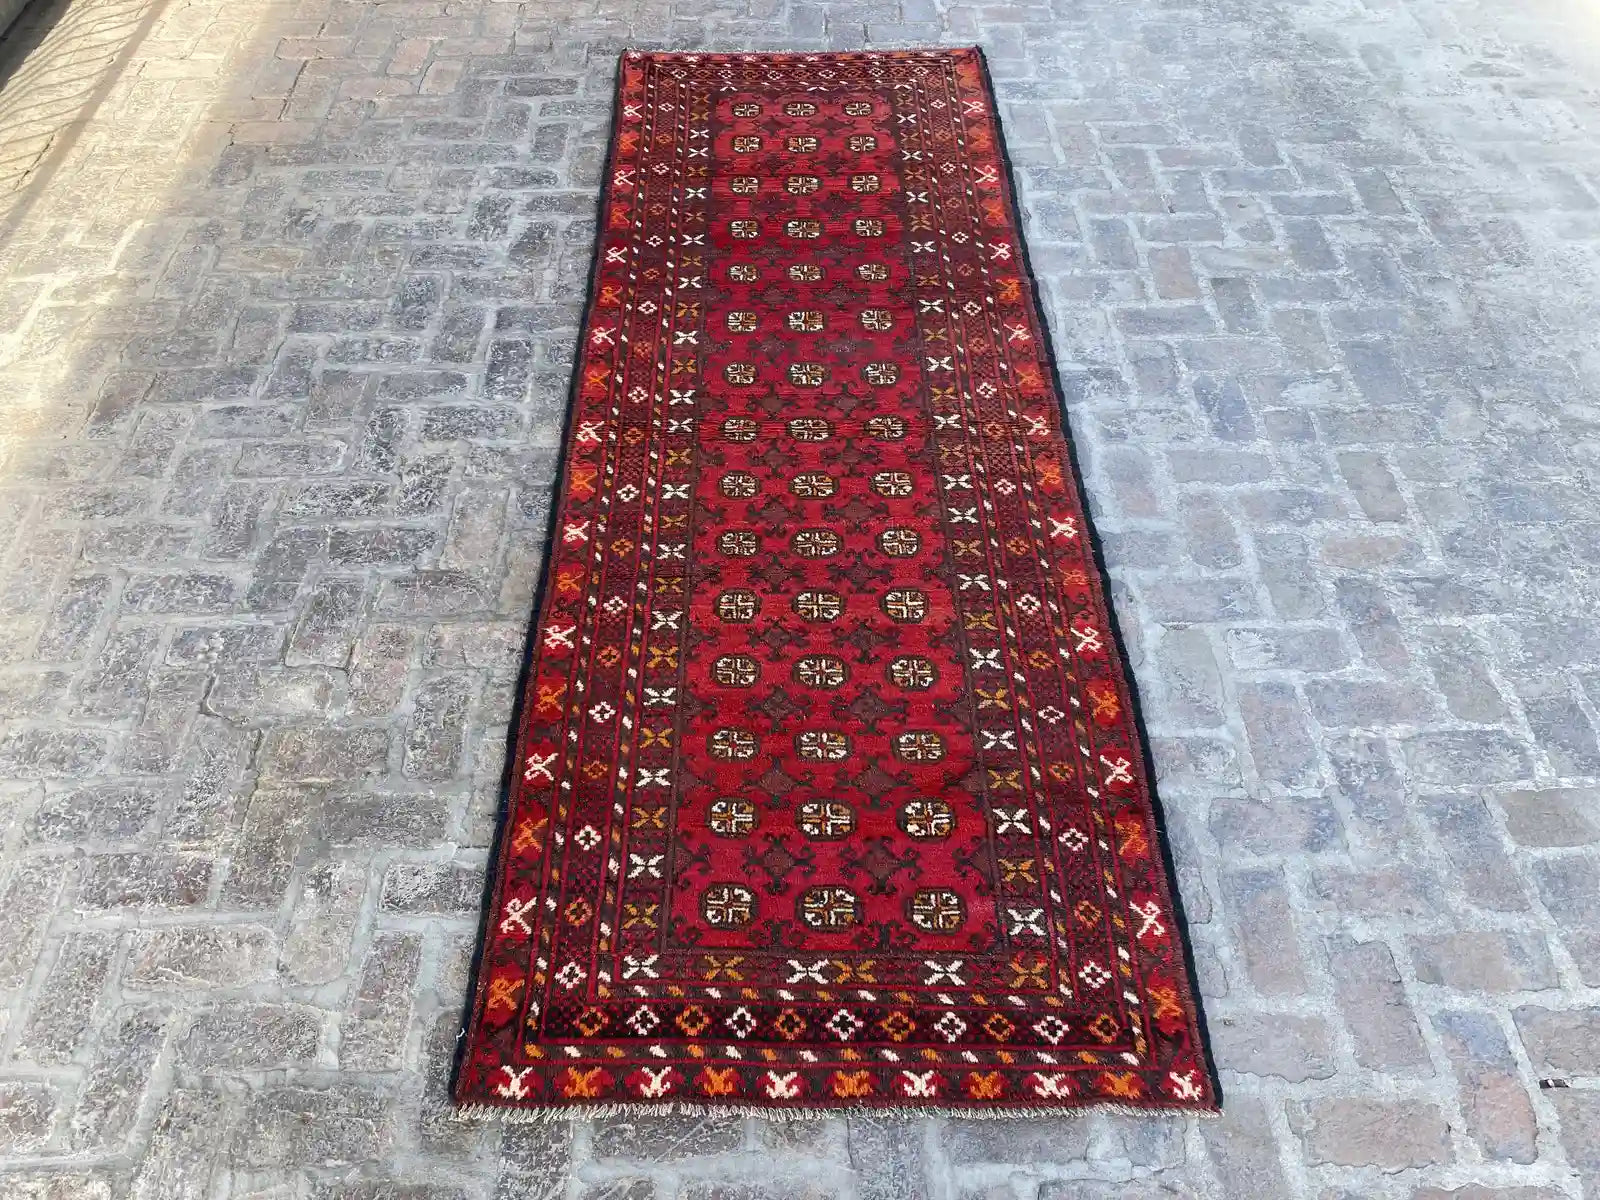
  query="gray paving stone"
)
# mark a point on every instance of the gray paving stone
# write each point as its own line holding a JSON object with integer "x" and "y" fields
{"x": 1390, "y": 1135}
{"x": 1498, "y": 1112}
{"x": 1275, "y": 1044}
{"x": 1560, "y": 1040}
{"x": 1579, "y": 1114}
{"x": 1377, "y": 1012}
{"x": 1552, "y": 817}
{"x": 1489, "y": 961}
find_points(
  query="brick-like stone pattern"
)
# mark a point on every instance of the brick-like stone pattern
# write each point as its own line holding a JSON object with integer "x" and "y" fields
{"x": 288, "y": 307}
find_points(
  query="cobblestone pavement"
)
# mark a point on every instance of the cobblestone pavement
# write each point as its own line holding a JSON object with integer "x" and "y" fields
{"x": 286, "y": 325}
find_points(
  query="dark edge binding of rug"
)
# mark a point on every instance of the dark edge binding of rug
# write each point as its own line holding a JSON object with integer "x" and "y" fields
{"x": 558, "y": 489}
{"x": 530, "y": 650}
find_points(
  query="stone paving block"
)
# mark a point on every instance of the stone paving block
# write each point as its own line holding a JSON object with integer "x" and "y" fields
{"x": 1552, "y": 817}
{"x": 306, "y": 1127}
{"x": 1243, "y": 1148}
{"x": 1476, "y": 1191}
{"x": 1570, "y": 888}
{"x": 1376, "y": 1010}
{"x": 1392, "y": 1135}
{"x": 1491, "y": 961}
{"x": 1579, "y": 1115}
{"x": 664, "y": 1139}
{"x": 184, "y": 958}
{"x": 1476, "y": 854}
{"x": 1495, "y": 1102}
{"x": 1560, "y": 1041}
{"x": 27, "y": 1113}
{"x": 118, "y": 1077}
{"x": 886, "y": 1155}
{"x": 317, "y": 945}
{"x": 794, "y": 1189}
{"x": 1266, "y": 936}
{"x": 187, "y": 1147}
{"x": 60, "y": 1020}
{"x": 1275, "y": 1044}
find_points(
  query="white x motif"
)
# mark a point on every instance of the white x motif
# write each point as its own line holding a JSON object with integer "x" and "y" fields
{"x": 799, "y": 972}
{"x": 1116, "y": 771}
{"x": 513, "y": 916}
{"x": 1149, "y": 915}
{"x": 1025, "y": 920}
{"x": 513, "y": 1088}
{"x": 539, "y": 767}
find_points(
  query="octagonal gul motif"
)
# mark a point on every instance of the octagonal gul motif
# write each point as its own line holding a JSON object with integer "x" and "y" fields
{"x": 828, "y": 791}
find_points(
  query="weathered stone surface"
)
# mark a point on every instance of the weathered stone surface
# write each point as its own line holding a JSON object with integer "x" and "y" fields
{"x": 305, "y": 1127}
{"x": 1358, "y": 1132}
{"x": 430, "y": 887}
{"x": 118, "y": 1076}
{"x": 1267, "y": 939}
{"x": 27, "y": 1111}
{"x": 317, "y": 945}
{"x": 1244, "y": 1150}
{"x": 535, "y": 1159}
{"x": 1276, "y": 1044}
{"x": 60, "y": 1020}
{"x": 665, "y": 1138}
{"x": 1491, "y": 961}
{"x": 1286, "y": 825}
{"x": 1579, "y": 1114}
{"x": 788, "y": 1189}
{"x": 373, "y": 1030}
{"x": 200, "y": 956}
{"x": 249, "y": 1037}
{"x": 1552, "y": 816}
{"x": 1476, "y": 856}
{"x": 1375, "y": 1007}
{"x": 188, "y": 1147}
{"x": 1494, "y": 1100}
{"x": 887, "y": 1158}
{"x": 1570, "y": 888}
{"x": 1561, "y": 1041}
{"x": 325, "y": 755}
{"x": 1033, "y": 1141}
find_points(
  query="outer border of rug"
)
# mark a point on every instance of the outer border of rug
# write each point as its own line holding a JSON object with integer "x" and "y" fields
{"x": 517, "y": 1114}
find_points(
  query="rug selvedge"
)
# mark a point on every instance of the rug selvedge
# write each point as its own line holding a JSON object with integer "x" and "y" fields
{"x": 829, "y": 791}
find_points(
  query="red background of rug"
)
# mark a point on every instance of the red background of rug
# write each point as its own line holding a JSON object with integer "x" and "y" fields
{"x": 829, "y": 788}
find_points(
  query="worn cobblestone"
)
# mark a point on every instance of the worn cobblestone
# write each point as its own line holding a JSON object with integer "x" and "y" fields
{"x": 288, "y": 304}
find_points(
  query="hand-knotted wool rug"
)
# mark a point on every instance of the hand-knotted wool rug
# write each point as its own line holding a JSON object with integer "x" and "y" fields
{"x": 829, "y": 791}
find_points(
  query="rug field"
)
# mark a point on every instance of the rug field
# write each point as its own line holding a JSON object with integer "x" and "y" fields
{"x": 829, "y": 790}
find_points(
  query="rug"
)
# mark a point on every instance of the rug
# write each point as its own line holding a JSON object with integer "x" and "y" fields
{"x": 828, "y": 790}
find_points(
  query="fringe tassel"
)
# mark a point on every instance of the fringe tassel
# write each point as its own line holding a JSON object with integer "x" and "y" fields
{"x": 680, "y": 1108}
{"x": 861, "y": 51}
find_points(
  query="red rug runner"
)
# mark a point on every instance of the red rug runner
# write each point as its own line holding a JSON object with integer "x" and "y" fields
{"x": 829, "y": 791}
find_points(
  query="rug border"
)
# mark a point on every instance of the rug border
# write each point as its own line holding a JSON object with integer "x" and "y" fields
{"x": 498, "y": 847}
{"x": 556, "y": 1112}
{"x": 1157, "y": 807}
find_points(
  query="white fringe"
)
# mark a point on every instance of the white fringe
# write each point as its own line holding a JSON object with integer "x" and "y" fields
{"x": 1084, "y": 1108}
{"x": 813, "y": 52}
